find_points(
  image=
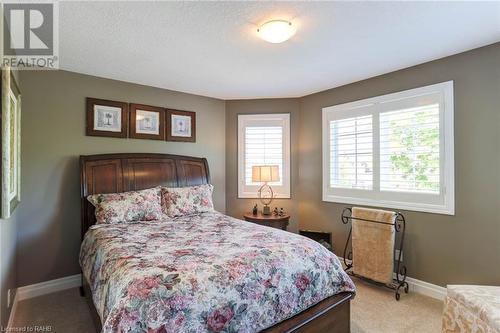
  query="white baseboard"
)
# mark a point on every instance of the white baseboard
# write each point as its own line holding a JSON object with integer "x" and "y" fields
{"x": 420, "y": 287}
{"x": 426, "y": 288}
{"x": 12, "y": 315}
{"x": 48, "y": 287}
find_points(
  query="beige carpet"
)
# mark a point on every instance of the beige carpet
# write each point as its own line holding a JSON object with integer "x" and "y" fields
{"x": 376, "y": 310}
{"x": 373, "y": 310}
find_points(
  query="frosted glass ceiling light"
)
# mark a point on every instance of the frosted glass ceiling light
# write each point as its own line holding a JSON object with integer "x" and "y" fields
{"x": 276, "y": 31}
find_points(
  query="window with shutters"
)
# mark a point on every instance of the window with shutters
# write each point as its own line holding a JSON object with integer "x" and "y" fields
{"x": 393, "y": 151}
{"x": 263, "y": 139}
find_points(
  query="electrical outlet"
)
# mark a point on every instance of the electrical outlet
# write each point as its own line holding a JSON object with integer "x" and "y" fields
{"x": 397, "y": 255}
{"x": 8, "y": 299}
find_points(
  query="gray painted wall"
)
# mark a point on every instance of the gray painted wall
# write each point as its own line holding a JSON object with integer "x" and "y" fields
{"x": 440, "y": 249}
{"x": 7, "y": 264}
{"x": 53, "y": 134}
{"x": 237, "y": 207}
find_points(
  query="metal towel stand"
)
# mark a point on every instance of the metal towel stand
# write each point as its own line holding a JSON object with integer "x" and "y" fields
{"x": 399, "y": 226}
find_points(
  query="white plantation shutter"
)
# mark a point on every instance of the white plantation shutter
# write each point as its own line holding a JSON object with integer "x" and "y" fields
{"x": 351, "y": 156}
{"x": 392, "y": 151}
{"x": 409, "y": 150}
{"x": 263, "y": 139}
{"x": 263, "y": 146}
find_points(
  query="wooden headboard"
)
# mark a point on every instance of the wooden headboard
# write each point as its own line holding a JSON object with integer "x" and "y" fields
{"x": 114, "y": 173}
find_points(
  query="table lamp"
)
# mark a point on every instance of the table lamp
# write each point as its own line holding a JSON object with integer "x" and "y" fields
{"x": 265, "y": 174}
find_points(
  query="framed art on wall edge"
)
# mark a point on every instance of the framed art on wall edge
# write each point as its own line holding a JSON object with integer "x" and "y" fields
{"x": 10, "y": 194}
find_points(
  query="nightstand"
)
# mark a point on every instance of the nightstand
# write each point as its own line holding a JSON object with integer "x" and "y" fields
{"x": 274, "y": 221}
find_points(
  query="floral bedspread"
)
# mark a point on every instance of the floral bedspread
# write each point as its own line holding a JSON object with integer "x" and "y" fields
{"x": 204, "y": 273}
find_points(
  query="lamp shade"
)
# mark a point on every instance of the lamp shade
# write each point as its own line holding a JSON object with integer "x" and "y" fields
{"x": 265, "y": 173}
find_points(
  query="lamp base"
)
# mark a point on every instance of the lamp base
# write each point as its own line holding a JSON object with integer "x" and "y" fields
{"x": 266, "y": 210}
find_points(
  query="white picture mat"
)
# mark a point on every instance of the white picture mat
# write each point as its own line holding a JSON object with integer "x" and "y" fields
{"x": 181, "y": 126}
{"x": 147, "y": 122}
{"x": 107, "y": 118}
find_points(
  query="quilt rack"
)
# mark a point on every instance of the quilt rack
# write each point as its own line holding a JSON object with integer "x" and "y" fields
{"x": 399, "y": 226}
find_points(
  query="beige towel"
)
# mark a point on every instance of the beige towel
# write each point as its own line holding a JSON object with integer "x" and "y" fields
{"x": 373, "y": 244}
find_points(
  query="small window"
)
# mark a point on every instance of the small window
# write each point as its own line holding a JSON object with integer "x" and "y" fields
{"x": 263, "y": 139}
{"x": 392, "y": 151}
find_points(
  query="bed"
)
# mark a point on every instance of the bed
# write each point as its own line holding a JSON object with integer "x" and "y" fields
{"x": 202, "y": 273}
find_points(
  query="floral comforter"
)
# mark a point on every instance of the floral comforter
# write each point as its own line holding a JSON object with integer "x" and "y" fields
{"x": 204, "y": 273}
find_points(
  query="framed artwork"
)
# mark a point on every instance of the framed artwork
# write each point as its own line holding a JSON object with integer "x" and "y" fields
{"x": 147, "y": 122}
{"x": 10, "y": 194}
{"x": 107, "y": 118}
{"x": 181, "y": 126}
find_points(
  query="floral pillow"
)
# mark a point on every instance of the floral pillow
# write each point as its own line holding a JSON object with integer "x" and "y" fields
{"x": 187, "y": 200}
{"x": 126, "y": 207}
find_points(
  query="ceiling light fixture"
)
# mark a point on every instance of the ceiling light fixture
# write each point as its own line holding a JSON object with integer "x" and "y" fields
{"x": 276, "y": 31}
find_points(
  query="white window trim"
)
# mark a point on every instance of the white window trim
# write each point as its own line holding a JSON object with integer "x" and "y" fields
{"x": 248, "y": 191}
{"x": 447, "y": 172}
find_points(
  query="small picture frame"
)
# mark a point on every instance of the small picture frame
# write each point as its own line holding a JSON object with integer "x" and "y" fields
{"x": 181, "y": 126}
{"x": 107, "y": 118}
{"x": 147, "y": 122}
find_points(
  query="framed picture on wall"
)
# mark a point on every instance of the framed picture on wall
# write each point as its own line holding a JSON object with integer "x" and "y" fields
{"x": 147, "y": 122}
{"x": 10, "y": 194}
{"x": 107, "y": 118}
{"x": 181, "y": 126}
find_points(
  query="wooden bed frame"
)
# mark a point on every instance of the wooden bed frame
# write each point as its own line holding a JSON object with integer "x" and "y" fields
{"x": 113, "y": 173}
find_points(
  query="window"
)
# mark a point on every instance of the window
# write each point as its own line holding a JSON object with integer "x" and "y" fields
{"x": 263, "y": 139}
{"x": 351, "y": 153}
{"x": 393, "y": 151}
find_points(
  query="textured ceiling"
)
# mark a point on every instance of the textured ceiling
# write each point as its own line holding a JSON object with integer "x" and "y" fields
{"x": 211, "y": 48}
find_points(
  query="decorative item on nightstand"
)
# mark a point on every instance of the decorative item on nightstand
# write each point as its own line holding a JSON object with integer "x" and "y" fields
{"x": 255, "y": 210}
{"x": 265, "y": 174}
